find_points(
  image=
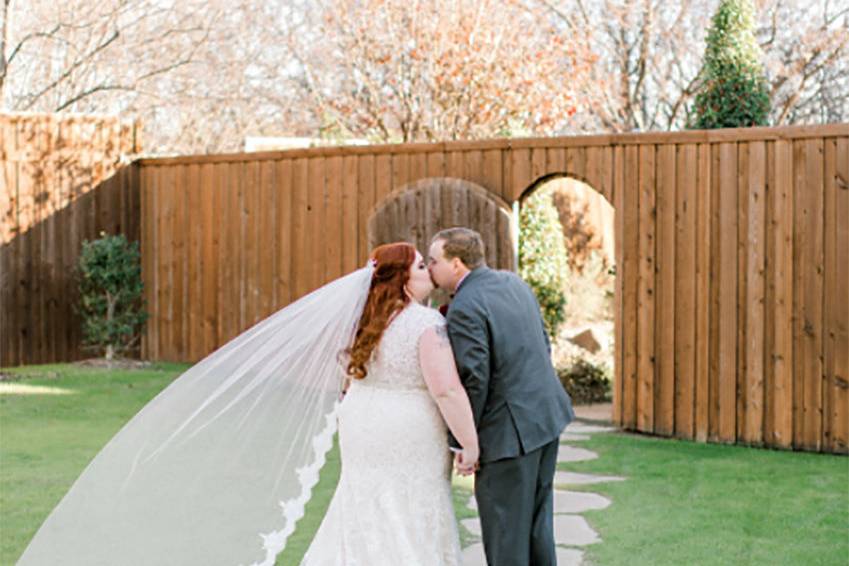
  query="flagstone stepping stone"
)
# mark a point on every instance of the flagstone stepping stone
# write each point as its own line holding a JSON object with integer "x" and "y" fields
{"x": 578, "y": 501}
{"x": 572, "y": 437}
{"x": 574, "y": 478}
{"x": 472, "y": 525}
{"x": 473, "y": 555}
{"x": 576, "y": 427}
{"x": 574, "y": 531}
{"x": 569, "y": 556}
{"x": 572, "y": 454}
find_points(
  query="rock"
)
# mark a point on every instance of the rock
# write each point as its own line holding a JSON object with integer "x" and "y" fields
{"x": 586, "y": 340}
{"x": 570, "y": 502}
{"x": 574, "y": 531}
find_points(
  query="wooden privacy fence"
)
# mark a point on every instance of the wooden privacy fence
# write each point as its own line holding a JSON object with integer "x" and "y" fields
{"x": 732, "y": 251}
{"x": 61, "y": 182}
{"x": 732, "y": 246}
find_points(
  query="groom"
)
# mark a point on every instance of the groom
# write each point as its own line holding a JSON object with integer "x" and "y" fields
{"x": 503, "y": 358}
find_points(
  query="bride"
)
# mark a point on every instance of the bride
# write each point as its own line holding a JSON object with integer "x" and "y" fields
{"x": 218, "y": 467}
{"x": 393, "y": 503}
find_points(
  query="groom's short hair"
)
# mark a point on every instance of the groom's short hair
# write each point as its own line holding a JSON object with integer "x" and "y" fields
{"x": 462, "y": 243}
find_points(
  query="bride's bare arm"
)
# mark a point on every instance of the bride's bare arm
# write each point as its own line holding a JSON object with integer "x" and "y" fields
{"x": 443, "y": 382}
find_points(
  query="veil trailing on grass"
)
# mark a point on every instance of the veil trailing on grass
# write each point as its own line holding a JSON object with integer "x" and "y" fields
{"x": 217, "y": 468}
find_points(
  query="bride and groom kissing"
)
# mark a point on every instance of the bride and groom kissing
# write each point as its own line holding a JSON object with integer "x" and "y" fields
{"x": 481, "y": 375}
{"x": 199, "y": 475}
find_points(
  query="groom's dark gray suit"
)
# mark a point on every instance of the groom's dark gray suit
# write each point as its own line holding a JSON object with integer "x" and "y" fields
{"x": 503, "y": 358}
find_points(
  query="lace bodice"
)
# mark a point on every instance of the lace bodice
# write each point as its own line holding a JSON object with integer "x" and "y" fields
{"x": 393, "y": 502}
{"x": 395, "y": 362}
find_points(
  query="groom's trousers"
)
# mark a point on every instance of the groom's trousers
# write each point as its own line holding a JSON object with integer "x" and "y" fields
{"x": 516, "y": 508}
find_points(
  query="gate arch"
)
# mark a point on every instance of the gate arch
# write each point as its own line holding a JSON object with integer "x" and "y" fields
{"x": 417, "y": 211}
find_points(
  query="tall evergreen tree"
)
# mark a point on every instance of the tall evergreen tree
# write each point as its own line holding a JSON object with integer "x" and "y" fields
{"x": 734, "y": 90}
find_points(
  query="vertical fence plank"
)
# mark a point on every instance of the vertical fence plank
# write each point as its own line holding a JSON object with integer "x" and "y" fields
{"x": 210, "y": 206}
{"x": 268, "y": 243}
{"x": 299, "y": 227}
{"x": 831, "y": 306}
{"x": 521, "y": 179}
{"x": 630, "y": 281}
{"x": 807, "y": 166}
{"x": 703, "y": 199}
{"x": 780, "y": 305}
{"x": 617, "y": 179}
{"x": 664, "y": 296}
{"x": 473, "y": 166}
{"x": 228, "y": 285}
{"x": 685, "y": 289}
{"x": 727, "y": 293}
{"x": 646, "y": 324}
{"x": 150, "y": 252}
{"x": 595, "y": 161}
{"x": 283, "y": 202}
{"x": 166, "y": 189}
{"x": 9, "y": 232}
{"x": 742, "y": 260}
{"x": 538, "y": 164}
{"x": 333, "y": 228}
{"x": 839, "y": 322}
{"x": 418, "y": 166}
{"x": 436, "y": 164}
{"x": 400, "y": 170}
{"x": 714, "y": 289}
{"x": 194, "y": 291}
{"x": 366, "y": 187}
{"x": 383, "y": 179}
{"x": 455, "y": 164}
{"x": 755, "y": 289}
{"x": 769, "y": 294}
{"x": 350, "y": 215}
{"x": 315, "y": 203}
{"x": 492, "y": 171}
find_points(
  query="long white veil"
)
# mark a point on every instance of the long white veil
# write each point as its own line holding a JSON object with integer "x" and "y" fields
{"x": 217, "y": 468}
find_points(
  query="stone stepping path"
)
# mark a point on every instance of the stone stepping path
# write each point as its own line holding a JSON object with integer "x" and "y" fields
{"x": 570, "y": 528}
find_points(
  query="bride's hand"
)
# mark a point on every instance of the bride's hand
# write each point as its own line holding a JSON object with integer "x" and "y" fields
{"x": 467, "y": 460}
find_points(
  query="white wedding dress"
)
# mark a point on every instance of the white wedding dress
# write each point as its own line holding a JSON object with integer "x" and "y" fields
{"x": 393, "y": 503}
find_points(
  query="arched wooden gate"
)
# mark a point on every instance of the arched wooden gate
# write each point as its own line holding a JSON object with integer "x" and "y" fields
{"x": 416, "y": 212}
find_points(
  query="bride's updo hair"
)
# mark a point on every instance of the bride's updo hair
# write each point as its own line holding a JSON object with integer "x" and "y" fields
{"x": 386, "y": 297}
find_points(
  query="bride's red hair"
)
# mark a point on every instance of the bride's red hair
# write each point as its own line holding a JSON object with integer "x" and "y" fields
{"x": 386, "y": 296}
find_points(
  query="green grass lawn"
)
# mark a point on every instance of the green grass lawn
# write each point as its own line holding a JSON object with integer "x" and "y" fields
{"x": 690, "y": 503}
{"x": 47, "y": 439}
{"x": 684, "y": 503}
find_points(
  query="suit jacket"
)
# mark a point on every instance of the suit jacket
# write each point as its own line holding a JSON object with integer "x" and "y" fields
{"x": 503, "y": 356}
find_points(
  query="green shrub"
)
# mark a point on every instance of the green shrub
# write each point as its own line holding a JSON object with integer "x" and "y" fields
{"x": 542, "y": 256}
{"x": 111, "y": 303}
{"x": 585, "y": 381}
{"x": 734, "y": 91}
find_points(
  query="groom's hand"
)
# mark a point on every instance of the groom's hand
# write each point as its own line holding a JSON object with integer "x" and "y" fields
{"x": 463, "y": 467}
